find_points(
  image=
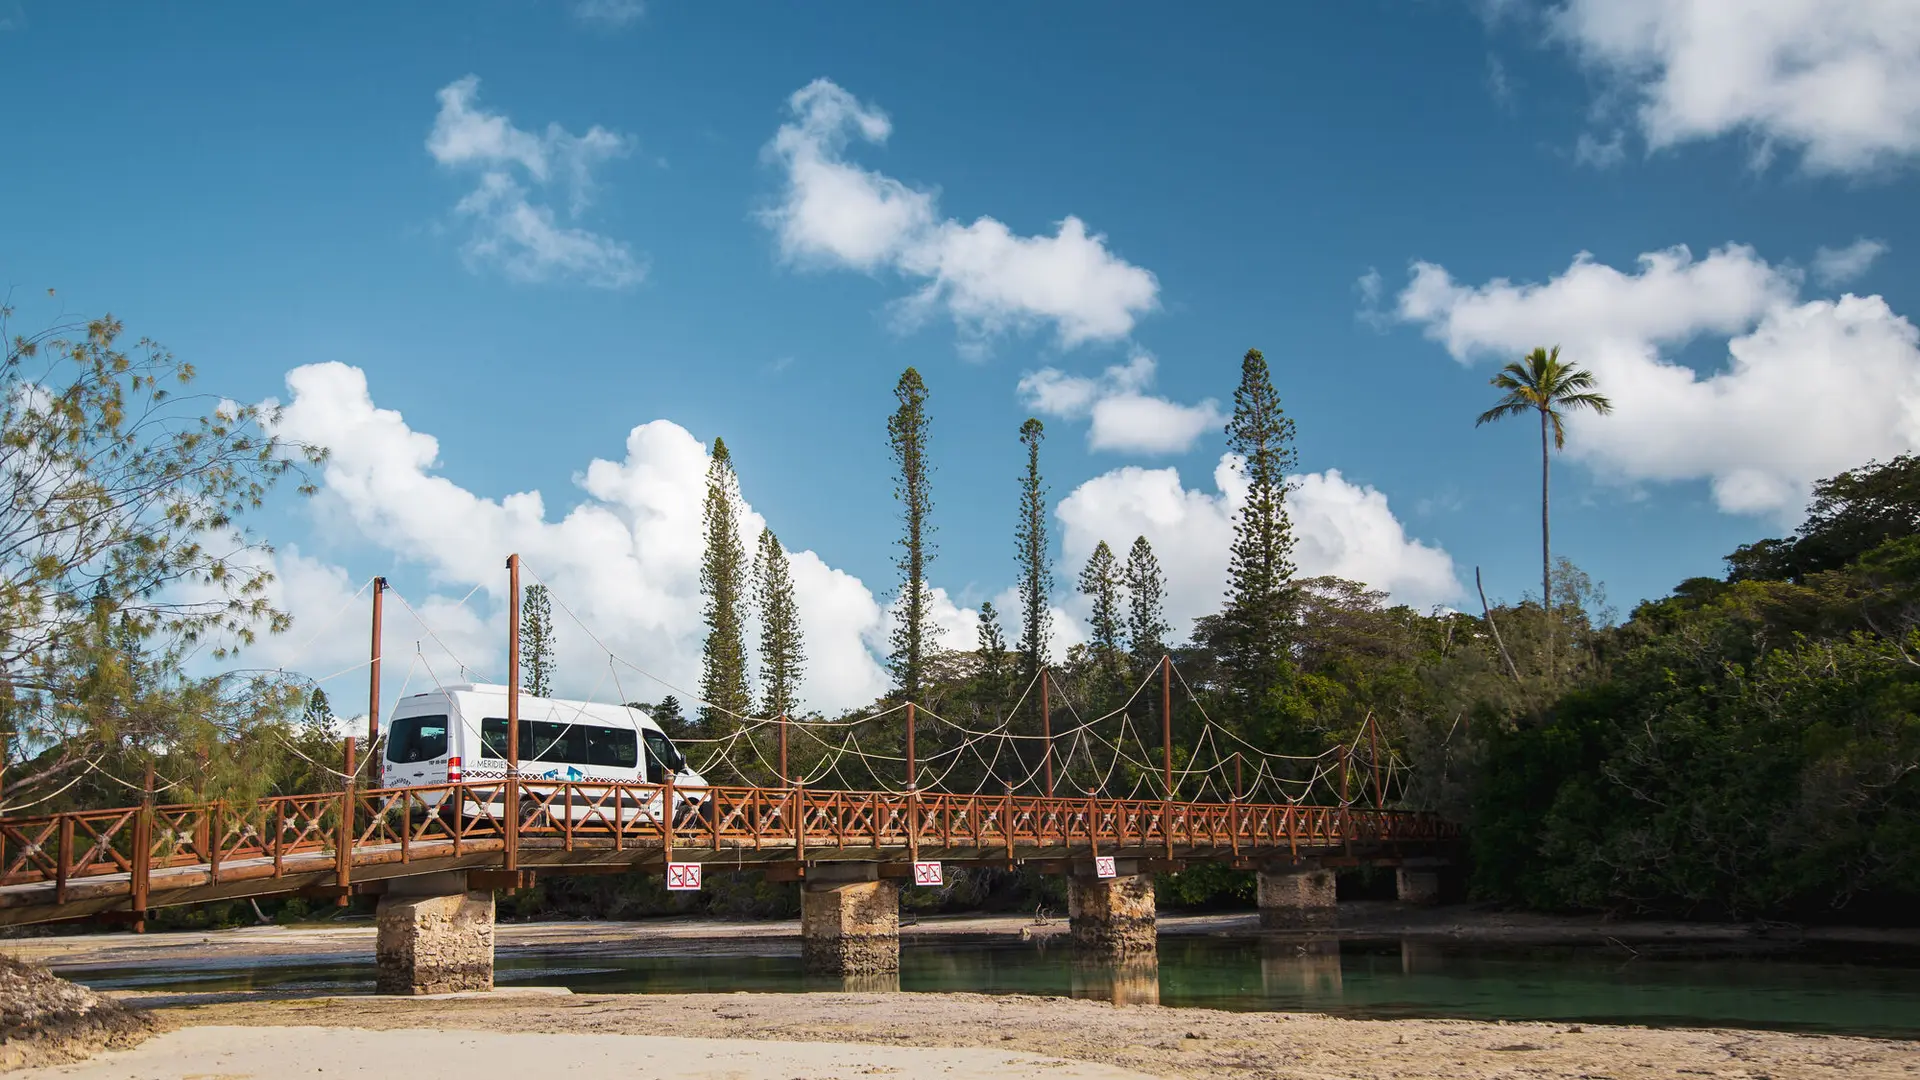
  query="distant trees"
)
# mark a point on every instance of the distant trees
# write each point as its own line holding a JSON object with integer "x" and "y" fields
{"x": 1541, "y": 384}
{"x": 913, "y": 625}
{"x": 1100, "y": 584}
{"x": 1030, "y": 542}
{"x": 536, "y": 641}
{"x": 1253, "y": 627}
{"x": 782, "y": 651}
{"x": 723, "y": 584}
{"x": 1146, "y": 604}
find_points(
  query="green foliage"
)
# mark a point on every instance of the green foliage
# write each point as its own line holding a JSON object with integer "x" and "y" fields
{"x": 1030, "y": 546}
{"x": 991, "y": 648}
{"x": 1100, "y": 583}
{"x": 723, "y": 583}
{"x": 1851, "y": 514}
{"x": 783, "y": 655}
{"x": 536, "y": 641}
{"x": 1251, "y": 631}
{"x": 913, "y": 627}
{"x": 1146, "y": 591}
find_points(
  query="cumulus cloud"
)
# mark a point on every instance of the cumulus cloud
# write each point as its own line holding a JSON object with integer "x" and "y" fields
{"x": 1806, "y": 388}
{"x": 1838, "y": 82}
{"x": 625, "y": 560}
{"x": 1124, "y": 417}
{"x": 986, "y": 278}
{"x": 612, "y": 14}
{"x": 1339, "y": 527}
{"x": 1837, "y": 266}
{"x": 512, "y": 229}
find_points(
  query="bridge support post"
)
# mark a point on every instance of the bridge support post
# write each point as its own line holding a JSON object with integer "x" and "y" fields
{"x": 1417, "y": 885}
{"x": 1295, "y": 897}
{"x": 849, "y": 921}
{"x": 1112, "y": 917}
{"x": 435, "y": 936}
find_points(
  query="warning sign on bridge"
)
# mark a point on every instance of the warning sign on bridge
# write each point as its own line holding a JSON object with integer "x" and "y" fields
{"x": 927, "y": 873}
{"x": 683, "y": 877}
{"x": 1103, "y": 866}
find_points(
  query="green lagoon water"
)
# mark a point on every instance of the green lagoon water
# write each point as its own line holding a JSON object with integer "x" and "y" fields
{"x": 1867, "y": 991}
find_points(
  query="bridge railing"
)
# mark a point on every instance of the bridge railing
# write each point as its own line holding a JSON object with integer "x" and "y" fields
{"x": 275, "y": 836}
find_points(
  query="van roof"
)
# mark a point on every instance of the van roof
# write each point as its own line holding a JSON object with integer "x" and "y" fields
{"x": 528, "y": 702}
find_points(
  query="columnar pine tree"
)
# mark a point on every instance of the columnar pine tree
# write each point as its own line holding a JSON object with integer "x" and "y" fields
{"x": 318, "y": 716}
{"x": 1030, "y": 542}
{"x": 991, "y": 643}
{"x": 1146, "y": 604}
{"x": 913, "y": 629}
{"x": 723, "y": 574}
{"x": 536, "y": 641}
{"x": 1100, "y": 583}
{"x": 1259, "y": 609}
{"x": 782, "y": 654}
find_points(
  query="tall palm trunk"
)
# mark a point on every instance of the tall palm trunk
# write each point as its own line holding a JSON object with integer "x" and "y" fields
{"x": 1546, "y": 559}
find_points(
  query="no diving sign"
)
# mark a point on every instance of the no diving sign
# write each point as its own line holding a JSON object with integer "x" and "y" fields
{"x": 683, "y": 877}
{"x": 927, "y": 873}
{"x": 1103, "y": 866}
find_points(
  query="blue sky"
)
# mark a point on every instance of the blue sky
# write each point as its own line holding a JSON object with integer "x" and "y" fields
{"x": 532, "y": 228}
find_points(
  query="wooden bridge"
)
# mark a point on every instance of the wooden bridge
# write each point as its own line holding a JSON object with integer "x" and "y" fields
{"x": 124, "y": 862}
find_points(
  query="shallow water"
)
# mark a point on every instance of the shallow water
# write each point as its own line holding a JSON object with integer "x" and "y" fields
{"x": 1867, "y": 991}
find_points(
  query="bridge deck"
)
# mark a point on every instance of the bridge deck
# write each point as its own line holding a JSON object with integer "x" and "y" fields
{"x": 134, "y": 859}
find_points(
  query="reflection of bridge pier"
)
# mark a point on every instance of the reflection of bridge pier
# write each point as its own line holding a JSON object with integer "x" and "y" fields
{"x": 1307, "y": 967}
{"x": 1133, "y": 980}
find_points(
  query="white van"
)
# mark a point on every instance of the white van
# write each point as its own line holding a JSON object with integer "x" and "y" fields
{"x": 459, "y": 733}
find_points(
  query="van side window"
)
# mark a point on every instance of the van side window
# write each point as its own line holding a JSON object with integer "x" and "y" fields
{"x": 417, "y": 738}
{"x": 611, "y": 747}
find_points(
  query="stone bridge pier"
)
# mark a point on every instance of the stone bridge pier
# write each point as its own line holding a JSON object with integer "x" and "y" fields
{"x": 849, "y": 921}
{"x": 1296, "y": 897}
{"x": 1112, "y": 918}
{"x": 435, "y": 936}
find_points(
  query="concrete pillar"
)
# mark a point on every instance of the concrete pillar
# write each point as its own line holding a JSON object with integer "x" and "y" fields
{"x": 1417, "y": 886}
{"x": 1292, "y": 898}
{"x": 435, "y": 936}
{"x": 849, "y": 928}
{"x": 1112, "y": 916}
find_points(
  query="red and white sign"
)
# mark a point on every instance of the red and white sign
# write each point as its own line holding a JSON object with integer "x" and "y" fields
{"x": 1103, "y": 866}
{"x": 683, "y": 877}
{"x": 927, "y": 873}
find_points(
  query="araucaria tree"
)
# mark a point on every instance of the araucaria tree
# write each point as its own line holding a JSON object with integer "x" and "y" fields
{"x": 1100, "y": 584}
{"x": 913, "y": 630}
{"x": 536, "y": 641}
{"x": 1540, "y": 383}
{"x": 122, "y": 551}
{"x": 1146, "y": 604}
{"x": 1030, "y": 542}
{"x": 991, "y": 643}
{"x": 1256, "y": 620}
{"x": 723, "y": 581}
{"x": 782, "y": 653}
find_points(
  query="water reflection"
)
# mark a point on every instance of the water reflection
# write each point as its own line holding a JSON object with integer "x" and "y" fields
{"x": 1306, "y": 967}
{"x": 885, "y": 983}
{"x": 1820, "y": 988}
{"x": 1132, "y": 981}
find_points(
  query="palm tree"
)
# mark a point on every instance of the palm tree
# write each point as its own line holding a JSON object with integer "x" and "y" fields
{"x": 1540, "y": 382}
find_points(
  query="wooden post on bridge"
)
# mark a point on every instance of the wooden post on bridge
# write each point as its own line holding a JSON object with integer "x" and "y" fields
{"x": 373, "y": 670}
{"x": 783, "y": 751}
{"x": 511, "y": 797}
{"x": 912, "y": 772}
{"x": 1373, "y": 739}
{"x": 1166, "y": 723}
{"x": 343, "y": 841}
{"x": 1239, "y": 786}
{"x": 1046, "y": 732}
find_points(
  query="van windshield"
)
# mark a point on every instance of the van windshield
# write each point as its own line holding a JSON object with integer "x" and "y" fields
{"x": 417, "y": 738}
{"x": 662, "y": 757}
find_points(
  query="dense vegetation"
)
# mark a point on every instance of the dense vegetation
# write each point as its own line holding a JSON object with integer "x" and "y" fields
{"x": 1745, "y": 747}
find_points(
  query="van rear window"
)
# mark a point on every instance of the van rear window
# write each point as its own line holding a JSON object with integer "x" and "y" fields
{"x": 417, "y": 738}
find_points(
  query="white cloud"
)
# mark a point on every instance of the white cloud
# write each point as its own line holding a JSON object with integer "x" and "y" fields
{"x": 1588, "y": 150}
{"x": 986, "y": 278}
{"x": 626, "y": 560}
{"x": 1339, "y": 528}
{"x": 613, "y": 14}
{"x": 512, "y": 230}
{"x": 1124, "y": 417}
{"x": 1806, "y": 389}
{"x": 1837, "y": 266}
{"x": 1839, "y": 82}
